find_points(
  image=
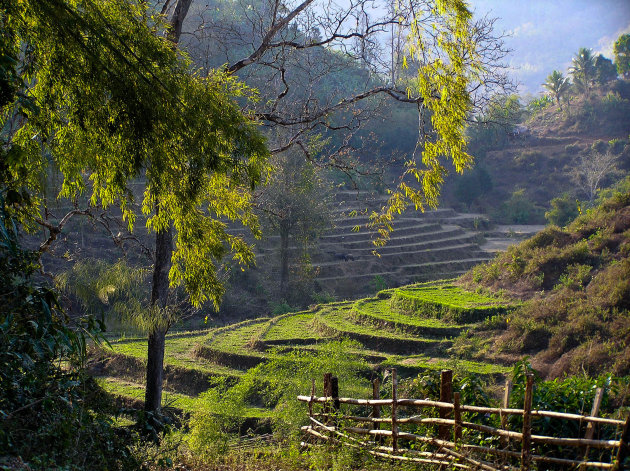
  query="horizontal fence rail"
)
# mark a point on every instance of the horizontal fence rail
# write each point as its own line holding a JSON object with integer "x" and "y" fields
{"x": 444, "y": 446}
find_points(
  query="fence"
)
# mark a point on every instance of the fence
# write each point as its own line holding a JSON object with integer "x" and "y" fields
{"x": 513, "y": 449}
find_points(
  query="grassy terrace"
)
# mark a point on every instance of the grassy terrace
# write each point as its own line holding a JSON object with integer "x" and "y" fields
{"x": 444, "y": 300}
{"x": 387, "y": 332}
{"x": 184, "y": 402}
{"x": 298, "y": 326}
{"x": 378, "y": 312}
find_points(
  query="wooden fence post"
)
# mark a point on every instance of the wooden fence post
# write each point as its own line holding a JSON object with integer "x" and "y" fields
{"x": 505, "y": 441}
{"x": 457, "y": 415}
{"x": 376, "y": 410}
{"x": 590, "y": 427}
{"x": 624, "y": 446}
{"x": 310, "y": 403}
{"x": 527, "y": 424}
{"x": 446, "y": 395}
{"x": 327, "y": 393}
{"x": 334, "y": 392}
{"x": 394, "y": 411}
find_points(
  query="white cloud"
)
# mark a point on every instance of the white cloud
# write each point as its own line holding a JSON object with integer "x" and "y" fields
{"x": 526, "y": 68}
{"x": 605, "y": 43}
{"x": 526, "y": 29}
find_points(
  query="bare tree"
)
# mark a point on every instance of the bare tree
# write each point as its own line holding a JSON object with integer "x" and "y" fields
{"x": 293, "y": 52}
{"x": 592, "y": 169}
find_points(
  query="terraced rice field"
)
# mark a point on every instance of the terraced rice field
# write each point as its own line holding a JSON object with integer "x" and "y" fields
{"x": 413, "y": 337}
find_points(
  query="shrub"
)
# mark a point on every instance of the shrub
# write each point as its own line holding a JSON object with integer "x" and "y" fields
{"x": 564, "y": 209}
{"x": 519, "y": 209}
{"x": 48, "y": 415}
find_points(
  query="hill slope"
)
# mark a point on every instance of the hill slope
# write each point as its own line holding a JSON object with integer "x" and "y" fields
{"x": 575, "y": 284}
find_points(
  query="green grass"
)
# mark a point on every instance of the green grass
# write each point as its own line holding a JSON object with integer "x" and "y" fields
{"x": 237, "y": 339}
{"x": 445, "y": 300}
{"x": 424, "y": 362}
{"x": 379, "y": 312}
{"x": 385, "y": 337}
{"x": 184, "y": 402}
{"x": 341, "y": 321}
{"x": 296, "y": 326}
{"x": 178, "y": 352}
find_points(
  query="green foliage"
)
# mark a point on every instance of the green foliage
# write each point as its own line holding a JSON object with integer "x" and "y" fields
{"x": 473, "y": 185}
{"x": 274, "y": 384}
{"x": 145, "y": 114}
{"x": 564, "y": 209}
{"x": 50, "y": 417}
{"x": 557, "y": 85}
{"x": 583, "y": 69}
{"x": 442, "y": 85}
{"x": 539, "y": 104}
{"x": 605, "y": 70}
{"x": 519, "y": 209}
{"x": 492, "y": 129}
{"x": 574, "y": 394}
{"x": 281, "y": 308}
{"x": 621, "y": 49}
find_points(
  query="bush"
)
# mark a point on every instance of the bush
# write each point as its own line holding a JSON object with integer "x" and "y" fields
{"x": 564, "y": 209}
{"x": 48, "y": 415}
{"x": 519, "y": 209}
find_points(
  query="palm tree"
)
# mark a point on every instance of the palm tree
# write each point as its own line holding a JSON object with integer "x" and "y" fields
{"x": 583, "y": 69}
{"x": 558, "y": 85}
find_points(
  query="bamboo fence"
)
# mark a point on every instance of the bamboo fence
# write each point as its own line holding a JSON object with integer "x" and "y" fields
{"x": 446, "y": 444}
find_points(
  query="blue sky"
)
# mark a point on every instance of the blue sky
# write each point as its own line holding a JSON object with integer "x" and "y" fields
{"x": 546, "y": 34}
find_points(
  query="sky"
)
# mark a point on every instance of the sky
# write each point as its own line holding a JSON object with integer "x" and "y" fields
{"x": 545, "y": 34}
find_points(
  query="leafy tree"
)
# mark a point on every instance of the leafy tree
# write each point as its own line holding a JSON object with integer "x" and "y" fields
{"x": 296, "y": 206}
{"x": 492, "y": 129}
{"x": 116, "y": 102}
{"x": 605, "y": 70}
{"x": 583, "y": 69}
{"x": 472, "y": 185}
{"x": 558, "y": 85}
{"x": 564, "y": 209}
{"x": 621, "y": 50}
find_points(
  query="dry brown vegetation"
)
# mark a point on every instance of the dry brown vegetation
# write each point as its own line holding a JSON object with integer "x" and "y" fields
{"x": 576, "y": 286}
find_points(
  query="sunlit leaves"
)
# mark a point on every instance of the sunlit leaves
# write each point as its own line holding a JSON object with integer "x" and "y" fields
{"x": 117, "y": 103}
{"x": 443, "y": 47}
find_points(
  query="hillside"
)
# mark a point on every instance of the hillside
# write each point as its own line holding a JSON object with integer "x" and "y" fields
{"x": 534, "y": 154}
{"x": 575, "y": 286}
{"x": 562, "y": 296}
{"x": 411, "y": 328}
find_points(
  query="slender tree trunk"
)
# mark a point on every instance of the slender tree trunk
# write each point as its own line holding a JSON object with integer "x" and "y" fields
{"x": 159, "y": 295}
{"x": 284, "y": 259}
{"x": 163, "y": 253}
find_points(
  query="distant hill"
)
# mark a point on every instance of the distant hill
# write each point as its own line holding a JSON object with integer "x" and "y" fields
{"x": 534, "y": 155}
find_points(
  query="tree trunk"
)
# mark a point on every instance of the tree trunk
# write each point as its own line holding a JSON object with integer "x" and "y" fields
{"x": 163, "y": 254}
{"x": 159, "y": 295}
{"x": 181, "y": 10}
{"x": 284, "y": 259}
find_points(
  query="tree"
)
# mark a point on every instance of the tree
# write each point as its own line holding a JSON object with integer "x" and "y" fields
{"x": 605, "y": 70}
{"x": 454, "y": 57}
{"x": 295, "y": 205}
{"x": 583, "y": 69}
{"x": 113, "y": 101}
{"x": 621, "y": 50}
{"x": 558, "y": 85}
{"x": 592, "y": 169}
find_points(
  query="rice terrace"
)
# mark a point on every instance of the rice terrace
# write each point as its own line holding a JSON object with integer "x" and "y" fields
{"x": 291, "y": 235}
